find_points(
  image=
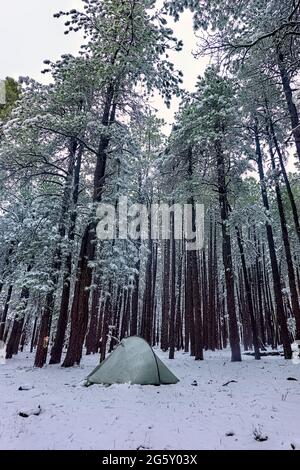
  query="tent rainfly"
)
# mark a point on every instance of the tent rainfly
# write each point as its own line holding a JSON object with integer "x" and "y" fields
{"x": 133, "y": 361}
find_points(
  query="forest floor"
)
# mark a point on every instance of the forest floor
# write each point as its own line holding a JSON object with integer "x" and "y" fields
{"x": 259, "y": 402}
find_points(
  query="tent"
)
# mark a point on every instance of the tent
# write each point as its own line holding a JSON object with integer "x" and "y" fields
{"x": 133, "y": 361}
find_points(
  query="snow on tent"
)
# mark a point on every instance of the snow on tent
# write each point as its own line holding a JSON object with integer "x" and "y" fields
{"x": 133, "y": 361}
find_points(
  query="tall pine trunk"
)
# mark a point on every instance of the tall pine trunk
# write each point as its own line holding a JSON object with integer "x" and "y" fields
{"x": 227, "y": 255}
{"x": 287, "y": 247}
{"x": 172, "y": 288}
{"x": 16, "y": 331}
{"x": 5, "y": 312}
{"x": 248, "y": 294}
{"x": 46, "y": 320}
{"x": 272, "y": 250}
{"x": 80, "y": 303}
{"x": 165, "y": 297}
{"x": 56, "y": 351}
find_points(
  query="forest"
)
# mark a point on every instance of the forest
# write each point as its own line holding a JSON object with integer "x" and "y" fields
{"x": 224, "y": 314}
{"x": 90, "y": 136}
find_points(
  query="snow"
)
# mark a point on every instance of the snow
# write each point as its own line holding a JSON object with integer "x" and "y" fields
{"x": 200, "y": 412}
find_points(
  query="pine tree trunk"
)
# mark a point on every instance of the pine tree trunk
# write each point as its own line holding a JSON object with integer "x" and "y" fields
{"x": 287, "y": 247}
{"x": 248, "y": 294}
{"x": 16, "y": 331}
{"x": 33, "y": 334}
{"x": 172, "y": 288}
{"x": 273, "y": 257}
{"x": 126, "y": 314}
{"x": 146, "y": 324}
{"x": 135, "y": 300}
{"x": 210, "y": 298}
{"x": 153, "y": 291}
{"x": 206, "y": 292}
{"x": 100, "y": 321}
{"x": 165, "y": 297}
{"x": 188, "y": 308}
{"x": 116, "y": 317}
{"x": 5, "y": 312}
{"x": 56, "y": 351}
{"x": 80, "y": 303}
{"x": 227, "y": 256}
{"x": 215, "y": 296}
{"x": 189, "y": 305}
{"x": 178, "y": 321}
{"x": 46, "y": 320}
{"x": 135, "y": 294}
{"x": 105, "y": 327}
{"x": 259, "y": 306}
{"x": 44, "y": 332}
{"x": 197, "y": 308}
{"x": 243, "y": 306}
{"x": 91, "y": 339}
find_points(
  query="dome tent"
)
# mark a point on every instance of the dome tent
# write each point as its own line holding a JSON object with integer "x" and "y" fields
{"x": 133, "y": 361}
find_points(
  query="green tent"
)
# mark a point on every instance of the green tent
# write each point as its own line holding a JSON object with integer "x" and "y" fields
{"x": 133, "y": 361}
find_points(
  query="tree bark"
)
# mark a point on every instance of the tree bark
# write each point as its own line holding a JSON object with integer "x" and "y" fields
{"x": 287, "y": 247}
{"x": 172, "y": 288}
{"x": 105, "y": 327}
{"x": 273, "y": 257}
{"x": 227, "y": 256}
{"x": 91, "y": 339}
{"x": 56, "y": 351}
{"x": 165, "y": 297}
{"x": 80, "y": 304}
{"x": 248, "y": 294}
{"x": 16, "y": 331}
{"x": 5, "y": 312}
{"x": 46, "y": 320}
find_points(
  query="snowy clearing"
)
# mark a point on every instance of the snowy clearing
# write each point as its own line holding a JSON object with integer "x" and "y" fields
{"x": 216, "y": 405}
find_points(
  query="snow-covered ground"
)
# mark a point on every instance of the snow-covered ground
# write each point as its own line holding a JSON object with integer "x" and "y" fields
{"x": 210, "y": 415}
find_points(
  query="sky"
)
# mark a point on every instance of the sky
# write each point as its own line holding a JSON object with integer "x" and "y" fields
{"x": 29, "y": 34}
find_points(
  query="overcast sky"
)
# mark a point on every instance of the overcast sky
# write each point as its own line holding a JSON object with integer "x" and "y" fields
{"x": 29, "y": 34}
